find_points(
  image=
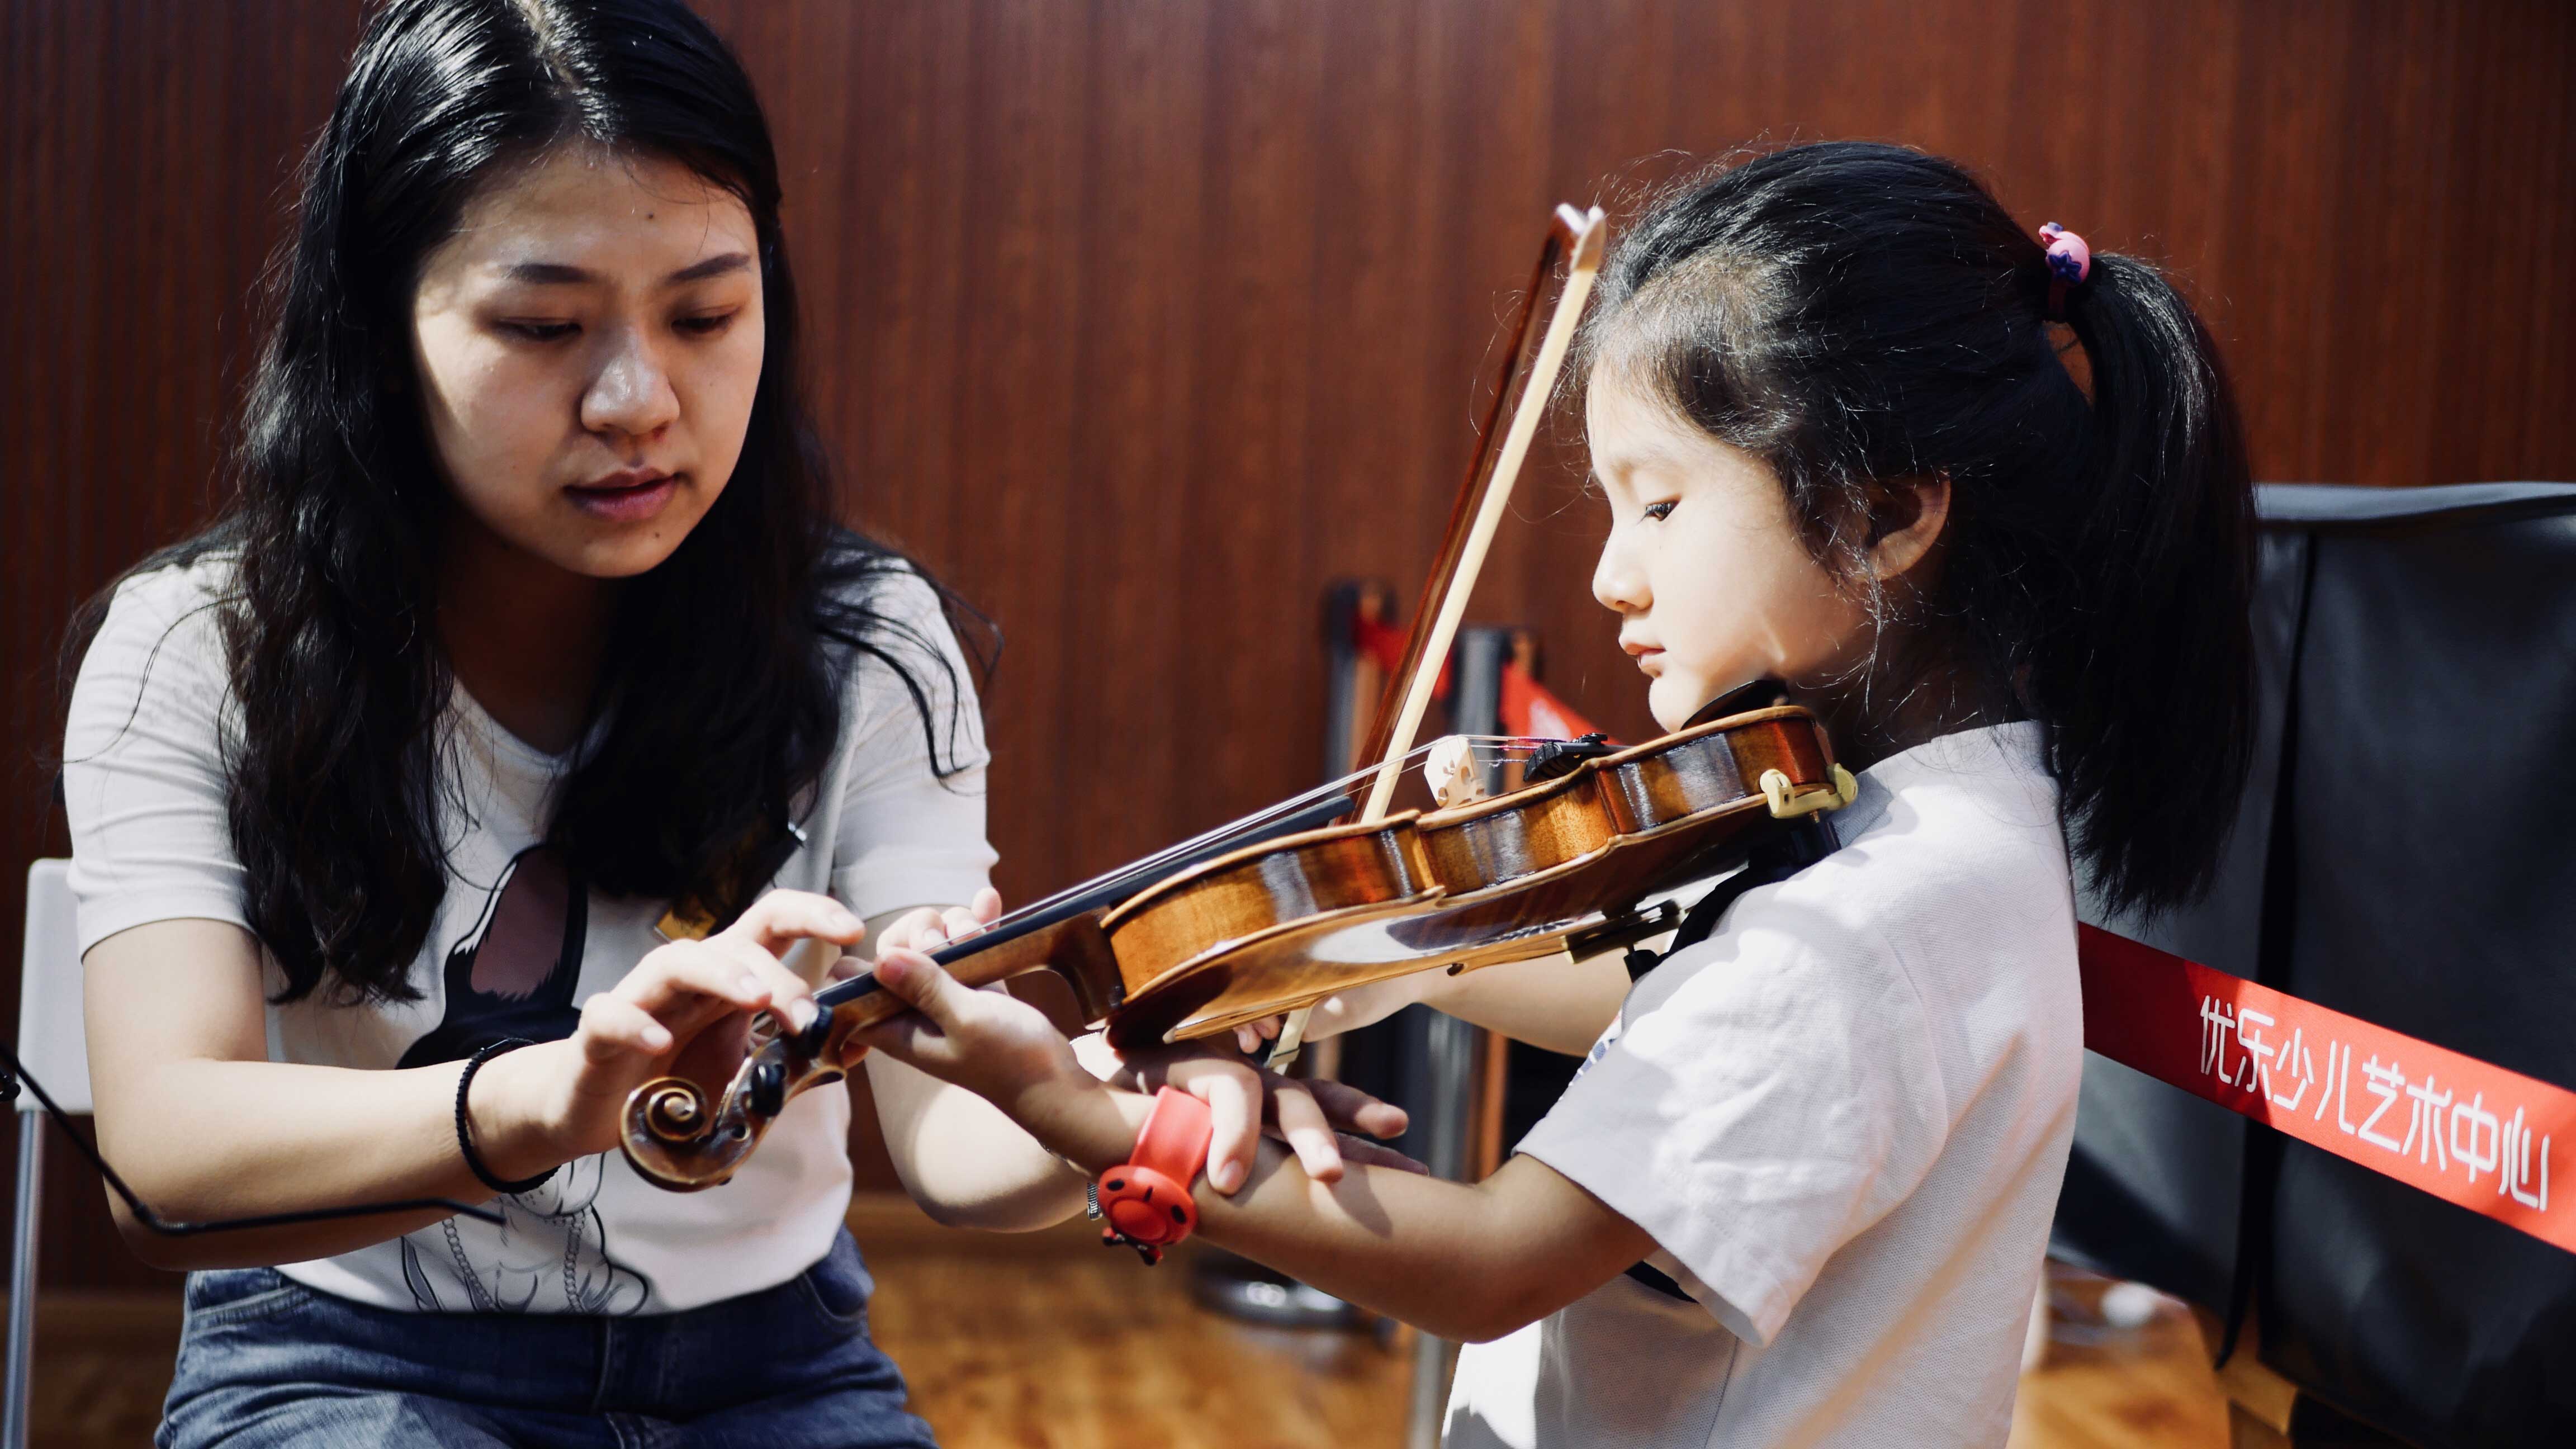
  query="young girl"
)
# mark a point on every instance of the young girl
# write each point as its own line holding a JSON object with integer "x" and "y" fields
{"x": 1801, "y": 1193}
{"x": 529, "y": 633}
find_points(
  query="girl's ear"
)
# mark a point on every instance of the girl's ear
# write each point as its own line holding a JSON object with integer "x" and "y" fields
{"x": 1908, "y": 515}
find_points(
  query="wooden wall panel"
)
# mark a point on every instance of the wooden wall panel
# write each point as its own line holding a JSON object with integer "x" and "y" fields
{"x": 1142, "y": 319}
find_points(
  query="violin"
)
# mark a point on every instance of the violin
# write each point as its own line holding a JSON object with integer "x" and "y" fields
{"x": 1328, "y": 891}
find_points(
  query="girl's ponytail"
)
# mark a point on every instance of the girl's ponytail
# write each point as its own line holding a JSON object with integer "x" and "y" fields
{"x": 1849, "y": 312}
{"x": 2148, "y": 688}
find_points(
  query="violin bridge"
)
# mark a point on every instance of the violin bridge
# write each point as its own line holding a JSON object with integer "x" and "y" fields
{"x": 1451, "y": 770}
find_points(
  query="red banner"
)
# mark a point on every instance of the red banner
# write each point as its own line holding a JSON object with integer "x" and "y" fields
{"x": 2456, "y": 1127}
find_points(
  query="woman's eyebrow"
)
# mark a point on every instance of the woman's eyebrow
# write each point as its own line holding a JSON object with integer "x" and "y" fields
{"x": 557, "y": 274}
{"x": 715, "y": 266}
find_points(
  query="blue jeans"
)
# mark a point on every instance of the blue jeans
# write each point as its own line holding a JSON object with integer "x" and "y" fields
{"x": 265, "y": 1361}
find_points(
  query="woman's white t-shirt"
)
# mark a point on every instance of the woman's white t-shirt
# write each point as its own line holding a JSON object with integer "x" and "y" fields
{"x": 1843, "y": 1119}
{"x": 518, "y": 944}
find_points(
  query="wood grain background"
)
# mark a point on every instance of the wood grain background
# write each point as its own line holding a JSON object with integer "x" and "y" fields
{"x": 1140, "y": 320}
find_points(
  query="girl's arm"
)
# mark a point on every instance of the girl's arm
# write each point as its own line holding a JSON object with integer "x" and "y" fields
{"x": 966, "y": 1164}
{"x": 969, "y": 1165}
{"x": 1470, "y": 1262}
{"x": 1553, "y": 1002}
{"x": 197, "y": 1120}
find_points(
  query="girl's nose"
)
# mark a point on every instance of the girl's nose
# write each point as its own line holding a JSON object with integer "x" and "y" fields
{"x": 631, "y": 394}
{"x": 1617, "y": 580}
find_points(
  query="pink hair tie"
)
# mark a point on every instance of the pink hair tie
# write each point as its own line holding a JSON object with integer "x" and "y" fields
{"x": 2070, "y": 261}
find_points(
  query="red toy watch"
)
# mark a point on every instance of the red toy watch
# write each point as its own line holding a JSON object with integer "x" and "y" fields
{"x": 1144, "y": 1202}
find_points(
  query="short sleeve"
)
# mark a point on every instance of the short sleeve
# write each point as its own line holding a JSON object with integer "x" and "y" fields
{"x": 143, "y": 771}
{"x": 1771, "y": 1093}
{"x": 911, "y": 825}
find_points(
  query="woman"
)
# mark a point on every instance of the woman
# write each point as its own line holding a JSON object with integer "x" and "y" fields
{"x": 401, "y": 797}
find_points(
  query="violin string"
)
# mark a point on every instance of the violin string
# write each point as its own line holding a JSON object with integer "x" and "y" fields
{"x": 1504, "y": 747}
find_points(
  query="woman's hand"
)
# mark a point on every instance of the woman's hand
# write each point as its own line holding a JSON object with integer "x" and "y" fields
{"x": 685, "y": 1010}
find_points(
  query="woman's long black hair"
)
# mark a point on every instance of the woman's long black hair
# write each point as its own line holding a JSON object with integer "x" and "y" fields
{"x": 1850, "y": 312}
{"x": 720, "y": 693}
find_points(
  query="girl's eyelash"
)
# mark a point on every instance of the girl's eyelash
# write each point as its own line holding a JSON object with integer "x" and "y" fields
{"x": 708, "y": 324}
{"x": 1660, "y": 511}
{"x": 543, "y": 331}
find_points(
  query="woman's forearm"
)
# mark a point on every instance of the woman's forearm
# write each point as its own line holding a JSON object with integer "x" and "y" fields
{"x": 201, "y": 1139}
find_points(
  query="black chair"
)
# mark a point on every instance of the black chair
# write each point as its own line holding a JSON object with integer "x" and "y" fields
{"x": 2401, "y": 854}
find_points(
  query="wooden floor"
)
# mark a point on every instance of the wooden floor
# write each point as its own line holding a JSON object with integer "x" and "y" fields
{"x": 1047, "y": 1342}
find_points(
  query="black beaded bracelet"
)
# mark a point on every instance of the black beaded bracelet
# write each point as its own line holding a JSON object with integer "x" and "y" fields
{"x": 465, "y": 1136}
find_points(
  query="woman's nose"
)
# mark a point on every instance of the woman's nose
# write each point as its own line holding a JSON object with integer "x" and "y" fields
{"x": 631, "y": 394}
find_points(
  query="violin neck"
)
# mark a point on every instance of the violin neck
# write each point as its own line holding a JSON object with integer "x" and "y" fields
{"x": 1074, "y": 948}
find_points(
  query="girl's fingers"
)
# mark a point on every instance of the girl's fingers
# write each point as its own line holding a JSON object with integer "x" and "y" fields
{"x": 1246, "y": 1040}
{"x": 906, "y": 931}
{"x": 922, "y": 985}
{"x": 780, "y": 919}
{"x": 1302, "y": 1123}
{"x": 987, "y": 906}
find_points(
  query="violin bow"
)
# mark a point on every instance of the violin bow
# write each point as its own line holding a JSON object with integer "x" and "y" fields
{"x": 1575, "y": 237}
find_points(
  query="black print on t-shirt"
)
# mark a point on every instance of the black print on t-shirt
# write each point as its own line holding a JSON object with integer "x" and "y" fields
{"x": 513, "y": 975}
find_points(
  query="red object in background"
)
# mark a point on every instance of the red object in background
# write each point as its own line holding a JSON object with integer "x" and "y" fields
{"x": 1384, "y": 643}
{"x": 2464, "y": 1130}
{"x": 1531, "y": 712}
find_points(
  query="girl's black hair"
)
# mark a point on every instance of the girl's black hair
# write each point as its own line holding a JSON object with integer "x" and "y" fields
{"x": 1849, "y": 312}
{"x": 721, "y": 690}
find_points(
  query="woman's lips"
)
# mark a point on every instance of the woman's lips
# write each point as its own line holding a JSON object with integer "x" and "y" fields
{"x": 630, "y": 497}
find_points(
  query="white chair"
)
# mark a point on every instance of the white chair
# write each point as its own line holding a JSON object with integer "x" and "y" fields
{"x": 52, "y": 1047}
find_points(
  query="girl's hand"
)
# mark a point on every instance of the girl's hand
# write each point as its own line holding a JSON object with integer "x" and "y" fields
{"x": 1312, "y": 1117}
{"x": 928, "y": 929}
{"x": 1004, "y": 1050}
{"x": 685, "y": 1010}
{"x": 989, "y": 1042}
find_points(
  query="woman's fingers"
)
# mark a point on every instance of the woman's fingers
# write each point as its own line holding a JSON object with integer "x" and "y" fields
{"x": 612, "y": 1027}
{"x": 789, "y": 997}
{"x": 666, "y": 981}
{"x": 1233, "y": 1097}
{"x": 1352, "y": 1110}
{"x": 1308, "y": 1135}
{"x": 780, "y": 919}
{"x": 1360, "y": 1152}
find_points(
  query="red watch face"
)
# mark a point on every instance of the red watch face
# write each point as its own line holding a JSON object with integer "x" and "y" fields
{"x": 1145, "y": 1206}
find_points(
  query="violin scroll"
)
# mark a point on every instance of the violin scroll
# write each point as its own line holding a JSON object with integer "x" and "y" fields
{"x": 681, "y": 1137}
